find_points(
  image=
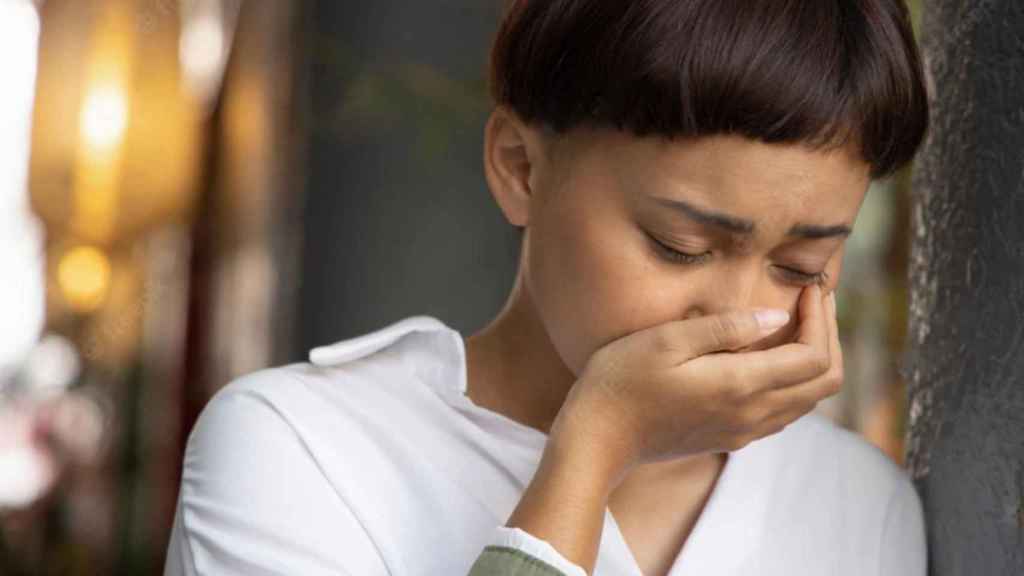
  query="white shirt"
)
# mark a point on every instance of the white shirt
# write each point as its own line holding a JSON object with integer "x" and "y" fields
{"x": 371, "y": 460}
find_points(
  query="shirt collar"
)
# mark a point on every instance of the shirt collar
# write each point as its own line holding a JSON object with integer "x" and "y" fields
{"x": 431, "y": 350}
{"x": 433, "y": 353}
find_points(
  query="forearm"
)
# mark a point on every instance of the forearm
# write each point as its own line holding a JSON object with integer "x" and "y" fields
{"x": 561, "y": 513}
{"x": 564, "y": 504}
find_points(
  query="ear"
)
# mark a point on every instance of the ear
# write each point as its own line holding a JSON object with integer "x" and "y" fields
{"x": 514, "y": 158}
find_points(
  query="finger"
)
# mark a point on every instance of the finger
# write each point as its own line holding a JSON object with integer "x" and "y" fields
{"x": 813, "y": 329}
{"x": 779, "y": 367}
{"x": 820, "y": 387}
{"x": 798, "y": 362}
{"x": 827, "y": 383}
{"x": 836, "y": 347}
{"x": 688, "y": 339}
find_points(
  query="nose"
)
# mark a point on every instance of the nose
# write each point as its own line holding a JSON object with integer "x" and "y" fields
{"x": 735, "y": 288}
{"x": 742, "y": 287}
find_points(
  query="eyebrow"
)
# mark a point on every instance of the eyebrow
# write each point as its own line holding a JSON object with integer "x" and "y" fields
{"x": 743, "y": 226}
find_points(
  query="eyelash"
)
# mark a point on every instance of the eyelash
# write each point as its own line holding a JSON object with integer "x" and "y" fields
{"x": 676, "y": 257}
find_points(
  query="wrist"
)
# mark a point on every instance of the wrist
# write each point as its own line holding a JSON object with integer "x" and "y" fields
{"x": 583, "y": 442}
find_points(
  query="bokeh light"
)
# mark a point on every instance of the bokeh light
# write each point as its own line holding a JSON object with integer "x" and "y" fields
{"x": 52, "y": 366}
{"x": 83, "y": 275}
{"x": 21, "y": 292}
{"x": 104, "y": 116}
{"x": 202, "y": 53}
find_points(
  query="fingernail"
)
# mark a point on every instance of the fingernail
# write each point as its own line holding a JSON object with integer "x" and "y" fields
{"x": 770, "y": 319}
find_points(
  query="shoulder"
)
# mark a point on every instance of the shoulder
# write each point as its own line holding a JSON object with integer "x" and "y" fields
{"x": 249, "y": 414}
{"x": 847, "y": 477}
{"x": 884, "y": 505}
{"x": 299, "y": 409}
{"x": 263, "y": 482}
{"x": 815, "y": 441}
{"x": 247, "y": 407}
{"x": 382, "y": 367}
{"x": 348, "y": 392}
{"x": 829, "y": 476}
{"x": 249, "y": 436}
{"x": 852, "y": 452}
{"x": 269, "y": 476}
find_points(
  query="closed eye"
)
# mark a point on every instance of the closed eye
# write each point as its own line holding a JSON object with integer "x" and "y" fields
{"x": 806, "y": 278}
{"x": 675, "y": 256}
{"x": 686, "y": 258}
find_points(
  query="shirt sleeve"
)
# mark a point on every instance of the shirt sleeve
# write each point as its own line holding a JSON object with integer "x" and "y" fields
{"x": 515, "y": 552}
{"x": 904, "y": 550}
{"x": 253, "y": 501}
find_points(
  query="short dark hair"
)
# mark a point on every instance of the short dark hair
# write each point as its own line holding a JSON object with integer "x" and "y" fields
{"x": 812, "y": 71}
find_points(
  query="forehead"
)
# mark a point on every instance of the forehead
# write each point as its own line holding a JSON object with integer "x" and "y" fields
{"x": 745, "y": 177}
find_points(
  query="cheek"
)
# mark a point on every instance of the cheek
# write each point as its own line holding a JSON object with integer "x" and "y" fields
{"x": 593, "y": 283}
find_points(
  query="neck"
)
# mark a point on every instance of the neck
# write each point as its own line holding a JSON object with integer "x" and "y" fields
{"x": 512, "y": 367}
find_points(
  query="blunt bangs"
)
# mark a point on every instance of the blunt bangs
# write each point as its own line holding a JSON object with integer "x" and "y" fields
{"x": 824, "y": 73}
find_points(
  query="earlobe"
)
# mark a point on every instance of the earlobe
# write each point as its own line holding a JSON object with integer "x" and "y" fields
{"x": 509, "y": 164}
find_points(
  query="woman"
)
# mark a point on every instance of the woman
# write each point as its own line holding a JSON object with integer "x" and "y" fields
{"x": 685, "y": 173}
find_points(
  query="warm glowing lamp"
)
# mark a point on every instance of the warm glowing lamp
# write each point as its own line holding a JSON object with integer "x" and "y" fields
{"x": 116, "y": 141}
{"x": 130, "y": 162}
{"x": 117, "y": 138}
{"x": 104, "y": 117}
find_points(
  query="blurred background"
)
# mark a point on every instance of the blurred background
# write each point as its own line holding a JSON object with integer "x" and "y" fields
{"x": 195, "y": 189}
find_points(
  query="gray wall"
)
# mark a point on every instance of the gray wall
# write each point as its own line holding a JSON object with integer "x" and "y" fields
{"x": 398, "y": 217}
{"x": 966, "y": 369}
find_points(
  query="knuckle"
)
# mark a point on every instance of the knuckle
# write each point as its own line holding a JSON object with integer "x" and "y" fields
{"x": 751, "y": 416}
{"x": 735, "y": 384}
{"x": 840, "y": 371}
{"x": 725, "y": 331}
{"x": 820, "y": 362}
{"x": 732, "y": 444}
{"x": 743, "y": 389}
{"x": 834, "y": 384}
{"x": 739, "y": 442}
{"x": 776, "y": 427}
{"x": 801, "y": 410}
{"x": 662, "y": 341}
{"x": 798, "y": 412}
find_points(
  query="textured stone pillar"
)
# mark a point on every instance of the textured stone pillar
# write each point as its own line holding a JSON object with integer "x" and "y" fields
{"x": 965, "y": 363}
